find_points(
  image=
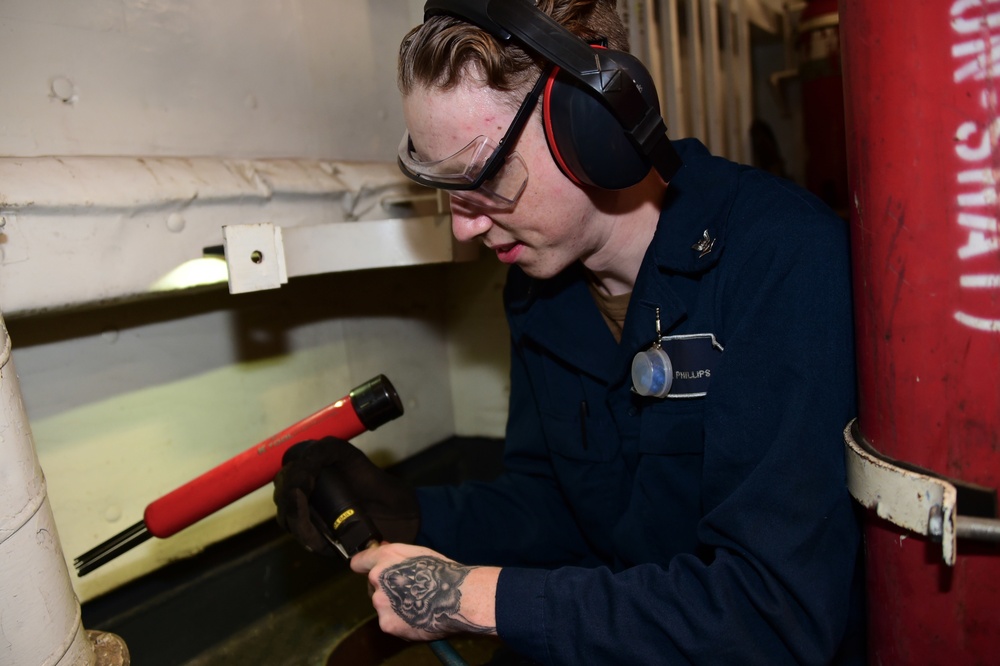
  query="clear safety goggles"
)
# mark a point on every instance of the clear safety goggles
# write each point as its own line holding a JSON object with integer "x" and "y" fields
{"x": 483, "y": 173}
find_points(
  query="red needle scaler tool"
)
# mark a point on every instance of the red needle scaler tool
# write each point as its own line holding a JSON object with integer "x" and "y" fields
{"x": 365, "y": 408}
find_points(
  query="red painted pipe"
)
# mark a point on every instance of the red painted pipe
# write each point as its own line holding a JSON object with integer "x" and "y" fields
{"x": 922, "y": 126}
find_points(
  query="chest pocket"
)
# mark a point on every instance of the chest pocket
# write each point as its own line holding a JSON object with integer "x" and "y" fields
{"x": 585, "y": 453}
{"x": 577, "y": 425}
{"x": 665, "y": 504}
{"x": 582, "y": 437}
{"x": 673, "y": 427}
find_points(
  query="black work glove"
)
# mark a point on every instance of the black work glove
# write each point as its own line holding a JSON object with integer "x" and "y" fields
{"x": 388, "y": 502}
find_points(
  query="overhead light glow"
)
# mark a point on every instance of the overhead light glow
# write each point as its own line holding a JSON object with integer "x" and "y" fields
{"x": 193, "y": 273}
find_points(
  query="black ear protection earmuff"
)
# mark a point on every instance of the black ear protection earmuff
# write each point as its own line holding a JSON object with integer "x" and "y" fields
{"x": 601, "y": 113}
{"x": 587, "y": 140}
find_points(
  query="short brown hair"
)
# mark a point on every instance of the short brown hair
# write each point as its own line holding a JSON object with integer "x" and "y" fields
{"x": 442, "y": 50}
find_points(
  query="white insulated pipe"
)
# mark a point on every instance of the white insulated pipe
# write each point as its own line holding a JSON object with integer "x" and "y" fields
{"x": 40, "y": 617}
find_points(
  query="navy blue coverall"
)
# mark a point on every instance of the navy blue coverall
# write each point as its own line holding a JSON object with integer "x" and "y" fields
{"x": 705, "y": 530}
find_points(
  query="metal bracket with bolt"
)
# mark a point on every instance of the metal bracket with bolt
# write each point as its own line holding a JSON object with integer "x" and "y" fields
{"x": 917, "y": 499}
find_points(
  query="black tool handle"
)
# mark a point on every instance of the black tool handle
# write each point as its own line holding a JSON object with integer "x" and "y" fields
{"x": 340, "y": 516}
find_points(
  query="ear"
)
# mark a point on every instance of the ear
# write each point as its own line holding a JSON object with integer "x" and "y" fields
{"x": 586, "y": 139}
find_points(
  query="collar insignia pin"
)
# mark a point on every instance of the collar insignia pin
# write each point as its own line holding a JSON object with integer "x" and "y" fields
{"x": 704, "y": 244}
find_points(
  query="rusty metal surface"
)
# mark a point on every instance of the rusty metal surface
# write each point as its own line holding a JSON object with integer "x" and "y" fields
{"x": 109, "y": 649}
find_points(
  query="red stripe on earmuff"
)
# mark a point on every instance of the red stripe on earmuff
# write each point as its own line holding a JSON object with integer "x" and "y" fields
{"x": 549, "y": 135}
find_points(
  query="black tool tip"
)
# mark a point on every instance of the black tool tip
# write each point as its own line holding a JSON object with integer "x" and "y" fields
{"x": 112, "y": 548}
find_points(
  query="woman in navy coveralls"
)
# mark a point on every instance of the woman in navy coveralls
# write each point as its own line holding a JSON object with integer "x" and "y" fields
{"x": 708, "y": 527}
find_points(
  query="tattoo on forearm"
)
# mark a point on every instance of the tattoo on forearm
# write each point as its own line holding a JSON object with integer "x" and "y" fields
{"x": 425, "y": 592}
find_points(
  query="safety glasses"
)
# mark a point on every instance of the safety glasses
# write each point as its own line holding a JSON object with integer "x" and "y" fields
{"x": 484, "y": 172}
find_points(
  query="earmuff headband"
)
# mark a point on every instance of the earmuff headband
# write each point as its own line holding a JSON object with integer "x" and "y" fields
{"x": 594, "y": 68}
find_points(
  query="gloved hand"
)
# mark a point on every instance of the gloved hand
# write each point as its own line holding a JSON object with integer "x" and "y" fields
{"x": 388, "y": 502}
